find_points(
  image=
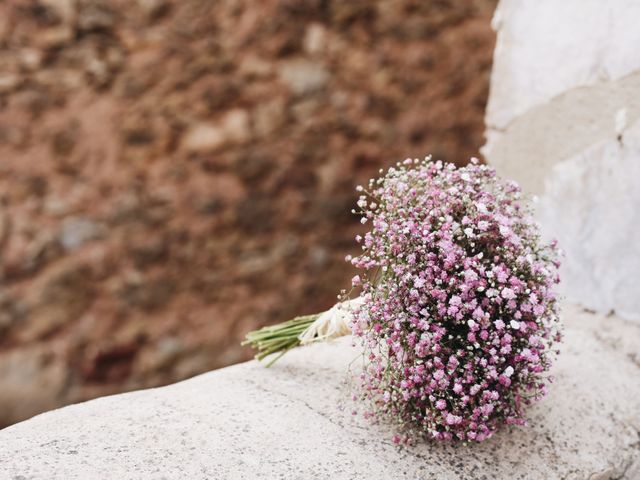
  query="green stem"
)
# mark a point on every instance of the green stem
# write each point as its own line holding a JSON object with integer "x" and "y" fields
{"x": 278, "y": 339}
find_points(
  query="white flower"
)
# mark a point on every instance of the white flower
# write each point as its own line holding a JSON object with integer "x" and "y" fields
{"x": 508, "y": 371}
{"x": 514, "y": 324}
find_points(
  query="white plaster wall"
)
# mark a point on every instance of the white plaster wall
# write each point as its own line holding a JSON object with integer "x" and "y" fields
{"x": 547, "y": 47}
{"x": 563, "y": 119}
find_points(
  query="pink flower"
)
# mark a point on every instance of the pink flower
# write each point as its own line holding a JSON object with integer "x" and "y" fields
{"x": 463, "y": 301}
{"x": 419, "y": 282}
{"x": 453, "y": 419}
{"x": 508, "y": 294}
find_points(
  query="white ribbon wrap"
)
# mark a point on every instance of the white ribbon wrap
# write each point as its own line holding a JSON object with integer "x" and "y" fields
{"x": 333, "y": 323}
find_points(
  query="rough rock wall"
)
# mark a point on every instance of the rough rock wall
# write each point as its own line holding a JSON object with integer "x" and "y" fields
{"x": 563, "y": 119}
{"x": 175, "y": 173}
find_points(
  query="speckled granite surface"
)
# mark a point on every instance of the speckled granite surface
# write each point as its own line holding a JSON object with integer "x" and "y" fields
{"x": 285, "y": 422}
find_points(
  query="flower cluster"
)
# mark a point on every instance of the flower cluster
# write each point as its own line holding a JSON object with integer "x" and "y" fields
{"x": 459, "y": 319}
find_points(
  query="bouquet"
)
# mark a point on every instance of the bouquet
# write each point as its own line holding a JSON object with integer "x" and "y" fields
{"x": 457, "y": 314}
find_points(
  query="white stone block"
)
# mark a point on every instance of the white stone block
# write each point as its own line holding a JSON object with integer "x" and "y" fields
{"x": 562, "y": 120}
{"x": 591, "y": 204}
{"x": 546, "y": 47}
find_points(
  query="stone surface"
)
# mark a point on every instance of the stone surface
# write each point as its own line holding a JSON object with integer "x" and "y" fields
{"x": 18, "y": 370}
{"x": 303, "y": 77}
{"x": 294, "y": 421}
{"x": 233, "y": 128}
{"x": 545, "y": 48}
{"x": 572, "y": 122}
{"x": 563, "y": 120}
{"x": 75, "y": 232}
{"x": 590, "y": 204}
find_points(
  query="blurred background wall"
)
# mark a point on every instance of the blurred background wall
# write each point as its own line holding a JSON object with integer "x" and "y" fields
{"x": 176, "y": 173}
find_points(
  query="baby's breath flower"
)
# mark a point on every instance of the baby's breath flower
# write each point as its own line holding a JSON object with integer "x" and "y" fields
{"x": 459, "y": 318}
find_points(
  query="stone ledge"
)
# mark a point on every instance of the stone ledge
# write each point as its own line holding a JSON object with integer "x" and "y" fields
{"x": 285, "y": 422}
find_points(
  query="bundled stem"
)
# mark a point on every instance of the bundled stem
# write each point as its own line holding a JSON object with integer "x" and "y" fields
{"x": 278, "y": 339}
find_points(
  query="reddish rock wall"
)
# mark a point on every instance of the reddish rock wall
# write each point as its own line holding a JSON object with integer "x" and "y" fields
{"x": 175, "y": 173}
